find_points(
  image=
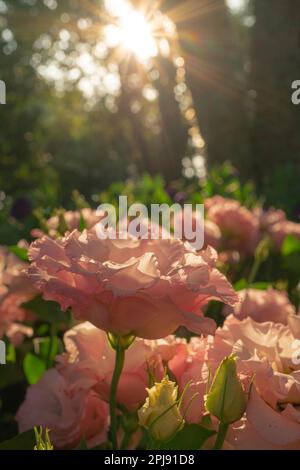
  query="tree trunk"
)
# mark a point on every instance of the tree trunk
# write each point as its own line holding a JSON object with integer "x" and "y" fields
{"x": 214, "y": 76}
{"x": 275, "y": 65}
{"x": 174, "y": 131}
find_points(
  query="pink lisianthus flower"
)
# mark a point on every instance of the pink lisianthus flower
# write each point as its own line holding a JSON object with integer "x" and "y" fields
{"x": 272, "y": 420}
{"x": 68, "y": 221}
{"x": 267, "y": 356}
{"x": 255, "y": 342}
{"x": 279, "y": 231}
{"x": 89, "y": 362}
{"x": 262, "y": 306}
{"x": 238, "y": 226}
{"x": 268, "y": 218}
{"x": 146, "y": 288}
{"x": 212, "y": 233}
{"x": 274, "y": 223}
{"x": 15, "y": 289}
{"x": 70, "y": 414}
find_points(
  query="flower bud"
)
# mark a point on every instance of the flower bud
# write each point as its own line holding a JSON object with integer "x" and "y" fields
{"x": 160, "y": 414}
{"x": 42, "y": 443}
{"x": 226, "y": 398}
{"x": 123, "y": 342}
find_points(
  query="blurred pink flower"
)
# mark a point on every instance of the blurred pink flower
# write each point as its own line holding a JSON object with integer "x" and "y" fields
{"x": 238, "y": 226}
{"x": 70, "y": 220}
{"x": 282, "y": 229}
{"x": 274, "y": 223}
{"x": 212, "y": 233}
{"x": 147, "y": 288}
{"x": 15, "y": 289}
{"x": 70, "y": 414}
{"x": 268, "y": 218}
{"x": 16, "y": 333}
{"x": 262, "y": 305}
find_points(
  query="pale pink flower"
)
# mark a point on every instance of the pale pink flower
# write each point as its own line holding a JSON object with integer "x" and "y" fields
{"x": 89, "y": 362}
{"x": 254, "y": 342}
{"x": 71, "y": 220}
{"x": 274, "y": 223}
{"x": 147, "y": 288}
{"x": 15, "y": 289}
{"x": 262, "y": 305}
{"x": 70, "y": 414}
{"x": 212, "y": 233}
{"x": 238, "y": 226}
{"x": 268, "y": 218}
{"x": 266, "y": 355}
{"x": 16, "y": 333}
{"x": 279, "y": 231}
{"x": 272, "y": 416}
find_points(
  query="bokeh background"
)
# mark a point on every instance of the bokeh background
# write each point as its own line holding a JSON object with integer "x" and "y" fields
{"x": 151, "y": 98}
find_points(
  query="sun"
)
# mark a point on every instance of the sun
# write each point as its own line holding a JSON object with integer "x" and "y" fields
{"x": 137, "y": 35}
{"x": 131, "y": 30}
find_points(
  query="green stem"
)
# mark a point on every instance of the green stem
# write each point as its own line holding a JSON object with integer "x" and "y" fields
{"x": 254, "y": 271}
{"x": 119, "y": 363}
{"x": 125, "y": 440}
{"x": 223, "y": 428}
{"x": 50, "y": 347}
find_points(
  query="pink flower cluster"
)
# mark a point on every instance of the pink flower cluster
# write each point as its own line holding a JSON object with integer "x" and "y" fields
{"x": 231, "y": 227}
{"x": 72, "y": 398}
{"x": 68, "y": 221}
{"x": 148, "y": 289}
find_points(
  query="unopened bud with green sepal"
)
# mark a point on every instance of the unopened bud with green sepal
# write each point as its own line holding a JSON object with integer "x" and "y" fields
{"x": 226, "y": 398}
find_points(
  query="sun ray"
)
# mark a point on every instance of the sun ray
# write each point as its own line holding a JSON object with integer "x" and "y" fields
{"x": 191, "y": 9}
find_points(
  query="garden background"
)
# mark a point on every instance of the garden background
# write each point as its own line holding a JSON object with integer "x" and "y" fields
{"x": 184, "y": 100}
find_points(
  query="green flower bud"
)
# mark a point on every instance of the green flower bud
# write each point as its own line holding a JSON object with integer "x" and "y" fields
{"x": 226, "y": 398}
{"x": 120, "y": 342}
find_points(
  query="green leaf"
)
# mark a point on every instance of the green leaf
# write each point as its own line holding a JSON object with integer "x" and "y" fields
{"x": 206, "y": 420}
{"x": 34, "y": 367}
{"x": 82, "y": 224}
{"x": 21, "y": 253}
{"x": 191, "y": 437}
{"x": 24, "y": 441}
{"x": 260, "y": 285}
{"x": 290, "y": 245}
{"x": 48, "y": 347}
{"x": 10, "y": 353}
{"x": 241, "y": 284}
{"x": 47, "y": 310}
